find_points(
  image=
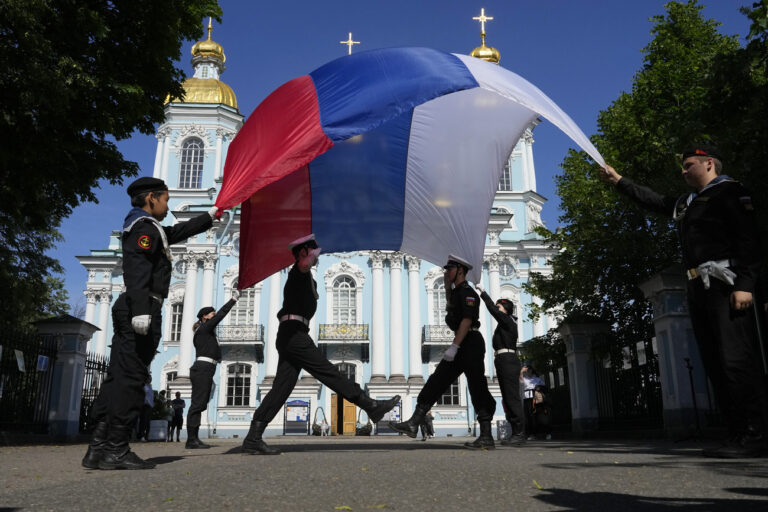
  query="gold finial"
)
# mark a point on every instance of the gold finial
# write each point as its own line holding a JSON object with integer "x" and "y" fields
{"x": 349, "y": 42}
{"x": 485, "y": 52}
{"x": 210, "y": 27}
{"x": 482, "y": 19}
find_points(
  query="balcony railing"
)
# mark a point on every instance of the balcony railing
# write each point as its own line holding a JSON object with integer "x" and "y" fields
{"x": 436, "y": 335}
{"x": 343, "y": 333}
{"x": 240, "y": 334}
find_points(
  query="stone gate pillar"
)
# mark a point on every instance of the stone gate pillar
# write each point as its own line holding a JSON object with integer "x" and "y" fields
{"x": 581, "y": 373}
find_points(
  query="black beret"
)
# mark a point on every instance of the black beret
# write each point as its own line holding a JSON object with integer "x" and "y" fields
{"x": 701, "y": 150}
{"x": 204, "y": 311}
{"x": 146, "y": 184}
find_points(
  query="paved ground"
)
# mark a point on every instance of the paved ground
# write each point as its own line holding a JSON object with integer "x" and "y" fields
{"x": 389, "y": 473}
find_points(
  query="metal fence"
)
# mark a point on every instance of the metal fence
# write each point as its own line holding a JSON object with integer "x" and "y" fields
{"x": 95, "y": 373}
{"x": 26, "y": 373}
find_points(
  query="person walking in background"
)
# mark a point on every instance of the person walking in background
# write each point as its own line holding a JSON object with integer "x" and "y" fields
{"x": 208, "y": 356}
{"x": 721, "y": 252}
{"x": 137, "y": 321}
{"x": 146, "y": 411}
{"x": 466, "y": 355}
{"x": 529, "y": 381}
{"x": 507, "y": 364}
{"x": 178, "y": 405}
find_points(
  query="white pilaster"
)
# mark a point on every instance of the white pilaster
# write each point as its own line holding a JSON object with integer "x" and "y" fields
{"x": 158, "y": 155}
{"x": 186, "y": 345}
{"x": 272, "y": 323}
{"x": 217, "y": 158}
{"x": 529, "y": 154}
{"x": 378, "y": 350}
{"x": 90, "y": 313}
{"x": 166, "y": 150}
{"x": 101, "y": 340}
{"x": 414, "y": 320}
{"x": 209, "y": 268}
{"x": 396, "y": 317}
{"x": 495, "y": 293}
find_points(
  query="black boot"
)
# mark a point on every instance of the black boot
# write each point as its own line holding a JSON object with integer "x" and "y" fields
{"x": 747, "y": 444}
{"x": 515, "y": 436}
{"x": 117, "y": 453}
{"x": 194, "y": 442}
{"x": 485, "y": 441}
{"x": 253, "y": 444}
{"x": 411, "y": 427}
{"x": 96, "y": 447}
{"x": 376, "y": 409}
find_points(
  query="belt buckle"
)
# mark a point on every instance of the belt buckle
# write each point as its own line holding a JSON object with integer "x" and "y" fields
{"x": 692, "y": 273}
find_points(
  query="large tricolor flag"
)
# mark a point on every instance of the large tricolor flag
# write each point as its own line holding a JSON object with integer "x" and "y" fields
{"x": 395, "y": 149}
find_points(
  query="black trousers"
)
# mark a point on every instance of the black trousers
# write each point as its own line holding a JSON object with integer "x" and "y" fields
{"x": 469, "y": 360}
{"x": 508, "y": 372}
{"x": 727, "y": 341}
{"x": 298, "y": 352}
{"x": 201, "y": 374}
{"x": 122, "y": 394}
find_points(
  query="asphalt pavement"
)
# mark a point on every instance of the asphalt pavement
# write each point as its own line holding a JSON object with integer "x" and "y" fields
{"x": 389, "y": 473}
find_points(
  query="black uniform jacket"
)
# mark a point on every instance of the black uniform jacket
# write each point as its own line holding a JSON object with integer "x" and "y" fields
{"x": 464, "y": 304}
{"x": 206, "y": 344}
{"x": 146, "y": 267}
{"x": 299, "y": 294}
{"x": 718, "y": 224}
{"x": 505, "y": 335}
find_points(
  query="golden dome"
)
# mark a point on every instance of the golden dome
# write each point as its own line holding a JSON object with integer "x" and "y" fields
{"x": 207, "y": 90}
{"x": 209, "y": 48}
{"x": 488, "y": 53}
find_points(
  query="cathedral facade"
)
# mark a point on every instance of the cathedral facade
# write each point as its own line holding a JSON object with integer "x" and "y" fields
{"x": 380, "y": 313}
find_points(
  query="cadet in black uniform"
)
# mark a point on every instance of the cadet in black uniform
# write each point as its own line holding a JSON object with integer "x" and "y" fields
{"x": 297, "y": 351}
{"x": 136, "y": 319}
{"x": 721, "y": 251}
{"x": 465, "y": 355}
{"x": 207, "y": 356}
{"x": 507, "y": 365}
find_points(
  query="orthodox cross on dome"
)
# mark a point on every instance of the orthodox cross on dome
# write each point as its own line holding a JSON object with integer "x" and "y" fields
{"x": 482, "y": 19}
{"x": 349, "y": 42}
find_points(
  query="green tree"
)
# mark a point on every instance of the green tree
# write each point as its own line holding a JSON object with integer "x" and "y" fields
{"x": 609, "y": 245}
{"x": 77, "y": 75}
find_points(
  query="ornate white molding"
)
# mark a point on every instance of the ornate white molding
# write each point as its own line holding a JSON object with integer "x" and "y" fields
{"x": 193, "y": 130}
{"x": 433, "y": 274}
{"x": 413, "y": 263}
{"x": 90, "y": 296}
{"x": 344, "y": 268}
{"x": 493, "y": 262}
{"x": 534, "y": 216}
{"x": 377, "y": 259}
{"x": 395, "y": 260}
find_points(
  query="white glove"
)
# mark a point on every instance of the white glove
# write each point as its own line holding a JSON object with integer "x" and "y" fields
{"x": 479, "y": 288}
{"x": 450, "y": 352}
{"x": 141, "y": 323}
{"x": 212, "y": 212}
{"x": 235, "y": 293}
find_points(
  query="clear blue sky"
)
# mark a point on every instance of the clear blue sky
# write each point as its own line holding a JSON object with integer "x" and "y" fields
{"x": 581, "y": 53}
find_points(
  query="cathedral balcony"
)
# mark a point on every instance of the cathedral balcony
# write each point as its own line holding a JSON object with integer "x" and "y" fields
{"x": 343, "y": 333}
{"x": 241, "y": 335}
{"x": 434, "y": 336}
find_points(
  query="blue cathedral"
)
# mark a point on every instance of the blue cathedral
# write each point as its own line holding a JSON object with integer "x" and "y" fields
{"x": 380, "y": 313}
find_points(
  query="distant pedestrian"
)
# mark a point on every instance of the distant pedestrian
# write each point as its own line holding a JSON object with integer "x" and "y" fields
{"x": 533, "y": 384}
{"x": 178, "y": 405}
{"x": 146, "y": 412}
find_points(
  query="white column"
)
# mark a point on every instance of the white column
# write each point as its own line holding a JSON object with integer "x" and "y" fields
{"x": 313, "y": 321}
{"x": 101, "y": 340}
{"x": 186, "y": 346}
{"x": 495, "y": 293}
{"x": 396, "y": 317}
{"x": 209, "y": 267}
{"x": 530, "y": 168}
{"x": 378, "y": 350}
{"x": 217, "y": 158}
{"x": 272, "y": 323}
{"x": 164, "y": 165}
{"x": 158, "y": 154}
{"x": 414, "y": 320}
{"x": 90, "y": 312}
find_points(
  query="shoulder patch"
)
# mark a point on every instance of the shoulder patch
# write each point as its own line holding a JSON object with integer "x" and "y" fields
{"x": 746, "y": 202}
{"x": 470, "y": 301}
{"x": 145, "y": 242}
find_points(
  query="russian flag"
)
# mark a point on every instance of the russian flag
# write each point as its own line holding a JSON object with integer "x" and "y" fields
{"x": 392, "y": 149}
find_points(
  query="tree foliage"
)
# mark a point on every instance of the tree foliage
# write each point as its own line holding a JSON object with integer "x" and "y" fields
{"x": 695, "y": 85}
{"x": 77, "y": 75}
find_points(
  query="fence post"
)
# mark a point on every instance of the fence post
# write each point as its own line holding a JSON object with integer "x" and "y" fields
{"x": 72, "y": 335}
{"x": 578, "y": 337}
{"x": 675, "y": 342}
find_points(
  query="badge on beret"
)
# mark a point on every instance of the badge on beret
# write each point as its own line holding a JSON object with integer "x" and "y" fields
{"x": 145, "y": 242}
{"x": 470, "y": 301}
{"x": 746, "y": 202}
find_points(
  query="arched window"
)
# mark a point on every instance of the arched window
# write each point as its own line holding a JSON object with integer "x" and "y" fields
{"x": 191, "y": 165}
{"x": 242, "y": 311}
{"x": 344, "y": 301}
{"x": 239, "y": 384}
{"x": 438, "y": 302}
{"x": 505, "y": 183}
{"x": 348, "y": 370}
{"x": 177, "y": 311}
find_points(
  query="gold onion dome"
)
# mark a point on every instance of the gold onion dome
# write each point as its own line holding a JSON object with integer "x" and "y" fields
{"x": 488, "y": 53}
{"x": 208, "y": 59}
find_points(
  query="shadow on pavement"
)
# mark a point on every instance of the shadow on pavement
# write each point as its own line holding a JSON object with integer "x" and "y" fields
{"x": 356, "y": 447}
{"x": 164, "y": 460}
{"x": 591, "y": 501}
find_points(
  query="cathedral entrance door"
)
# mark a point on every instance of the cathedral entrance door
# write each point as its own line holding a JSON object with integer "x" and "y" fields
{"x": 343, "y": 418}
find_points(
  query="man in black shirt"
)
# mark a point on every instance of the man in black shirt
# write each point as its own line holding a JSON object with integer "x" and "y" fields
{"x": 207, "y": 357}
{"x": 507, "y": 365}
{"x": 297, "y": 351}
{"x": 465, "y": 355}
{"x": 136, "y": 316}
{"x": 721, "y": 251}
